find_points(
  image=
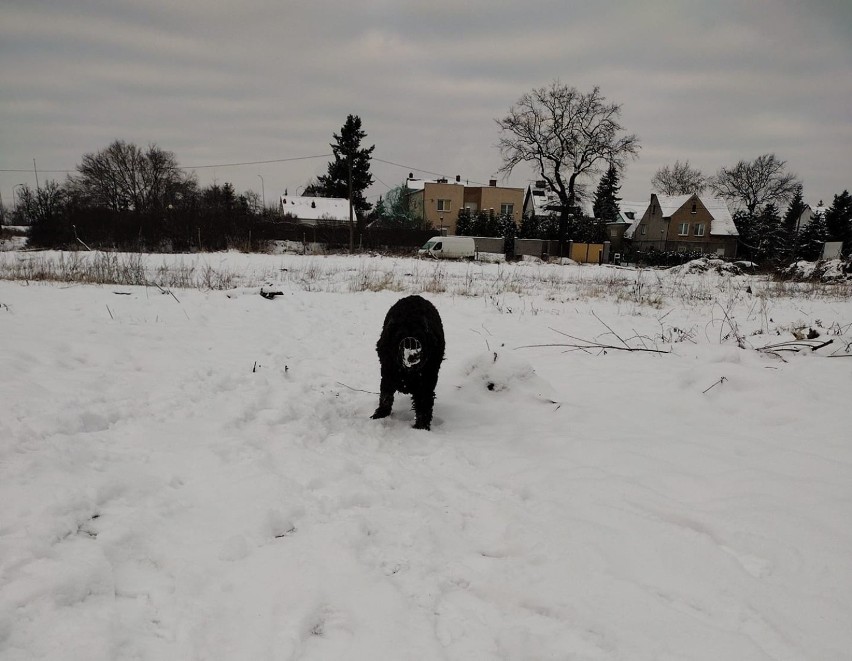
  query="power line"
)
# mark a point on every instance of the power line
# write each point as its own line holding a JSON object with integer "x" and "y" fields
{"x": 195, "y": 167}
{"x": 275, "y": 160}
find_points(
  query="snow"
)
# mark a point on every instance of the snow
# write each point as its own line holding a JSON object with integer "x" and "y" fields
{"x": 193, "y": 474}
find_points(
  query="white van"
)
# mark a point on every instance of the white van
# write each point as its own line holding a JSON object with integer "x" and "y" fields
{"x": 449, "y": 247}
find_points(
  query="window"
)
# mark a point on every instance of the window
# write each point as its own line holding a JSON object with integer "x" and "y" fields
{"x": 443, "y": 205}
{"x": 439, "y": 245}
{"x": 699, "y": 229}
{"x": 507, "y": 209}
{"x": 643, "y": 229}
{"x": 683, "y": 229}
{"x": 694, "y": 208}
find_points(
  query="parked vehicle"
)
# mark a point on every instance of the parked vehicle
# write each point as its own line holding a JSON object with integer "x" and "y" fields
{"x": 449, "y": 247}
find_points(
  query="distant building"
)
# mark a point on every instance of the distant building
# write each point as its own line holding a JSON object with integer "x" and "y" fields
{"x": 542, "y": 203}
{"x": 438, "y": 201}
{"x": 685, "y": 223}
{"x": 628, "y": 213}
{"x": 316, "y": 210}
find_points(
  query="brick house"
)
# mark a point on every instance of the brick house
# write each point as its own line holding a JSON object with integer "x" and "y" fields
{"x": 685, "y": 223}
{"x": 439, "y": 201}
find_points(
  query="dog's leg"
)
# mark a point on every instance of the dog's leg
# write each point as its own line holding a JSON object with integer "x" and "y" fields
{"x": 386, "y": 392}
{"x": 423, "y": 400}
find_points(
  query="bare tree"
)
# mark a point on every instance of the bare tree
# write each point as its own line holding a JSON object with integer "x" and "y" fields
{"x": 40, "y": 205}
{"x": 752, "y": 184}
{"x": 565, "y": 134}
{"x": 678, "y": 179}
{"x": 123, "y": 177}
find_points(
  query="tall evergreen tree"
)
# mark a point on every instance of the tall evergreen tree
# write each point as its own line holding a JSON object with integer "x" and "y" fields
{"x": 790, "y": 227}
{"x": 605, "y": 206}
{"x": 347, "y": 151}
{"x": 812, "y": 238}
{"x": 838, "y": 220}
{"x": 768, "y": 234}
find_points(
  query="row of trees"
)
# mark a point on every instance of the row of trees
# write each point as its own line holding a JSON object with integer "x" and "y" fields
{"x": 124, "y": 196}
{"x": 129, "y": 197}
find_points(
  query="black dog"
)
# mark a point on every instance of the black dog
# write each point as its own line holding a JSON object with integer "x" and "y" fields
{"x": 410, "y": 348}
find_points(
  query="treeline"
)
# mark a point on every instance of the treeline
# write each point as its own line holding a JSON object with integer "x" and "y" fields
{"x": 771, "y": 238}
{"x": 128, "y": 198}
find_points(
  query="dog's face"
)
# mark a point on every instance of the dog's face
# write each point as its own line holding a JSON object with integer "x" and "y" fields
{"x": 410, "y": 353}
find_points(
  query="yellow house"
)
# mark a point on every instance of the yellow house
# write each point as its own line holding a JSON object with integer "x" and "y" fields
{"x": 439, "y": 201}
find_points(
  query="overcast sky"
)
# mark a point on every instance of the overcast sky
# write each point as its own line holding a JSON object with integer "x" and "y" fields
{"x": 219, "y": 82}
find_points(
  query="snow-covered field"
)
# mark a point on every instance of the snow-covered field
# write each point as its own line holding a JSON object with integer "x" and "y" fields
{"x": 188, "y": 473}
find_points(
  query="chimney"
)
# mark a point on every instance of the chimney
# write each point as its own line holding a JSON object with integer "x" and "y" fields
{"x": 492, "y": 182}
{"x": 458, "y": 178}
{"x": 540, "y": 183}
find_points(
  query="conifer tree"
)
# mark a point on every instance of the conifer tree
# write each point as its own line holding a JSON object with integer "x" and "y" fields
{"x": 790, "y": 227}
{"x": 838, "y": 220}
{"x": 768, "y": 234}
{"x": 347, "y": 150}
{"x": 812, "y": 238}
{"x": 605, "y": 206}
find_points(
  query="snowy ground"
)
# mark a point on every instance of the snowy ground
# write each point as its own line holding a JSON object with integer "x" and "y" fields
{"x": 194, "y": 474}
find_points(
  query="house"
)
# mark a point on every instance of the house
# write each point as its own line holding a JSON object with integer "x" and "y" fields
{"x": 807, "y": 215}
{"x": 316, "y": 210}
{"x": 439, "y": 201}
{"x": 540, "y": 202}
{"x": 628, "y": 213}
{"x": 685, "y": 223}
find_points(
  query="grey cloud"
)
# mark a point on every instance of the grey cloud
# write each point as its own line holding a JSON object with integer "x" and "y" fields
{"x": 225, "y": 82}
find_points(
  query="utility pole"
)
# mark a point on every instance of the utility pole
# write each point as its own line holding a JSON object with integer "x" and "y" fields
{"x": 351, "y": 212}
{"x": 35, "y": 169}
{"x": 262, "y": 192}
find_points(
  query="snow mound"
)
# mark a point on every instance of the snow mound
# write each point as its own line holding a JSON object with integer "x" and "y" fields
{"x": 706, "y": 264}
{"x": 501, "y": 374}
{"x": 829, "y": 270}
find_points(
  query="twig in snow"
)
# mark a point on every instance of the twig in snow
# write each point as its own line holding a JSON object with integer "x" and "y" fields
{"x": 370, "y": 392}
{"x": 722, "y": 380}
{"x": 610, "y": 330}
{"x": 488, "y": 346}
{"x": 167, "y": 291}
{"x": 589, "y": 345}
{"x": 110, "y": 313}
{"x": 795, "y": 345}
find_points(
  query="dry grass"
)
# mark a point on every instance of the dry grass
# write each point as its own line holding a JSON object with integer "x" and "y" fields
{"x": 645, "y": 288}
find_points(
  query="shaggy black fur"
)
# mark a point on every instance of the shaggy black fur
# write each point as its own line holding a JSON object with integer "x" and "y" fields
{"x": 410, "y": 348}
